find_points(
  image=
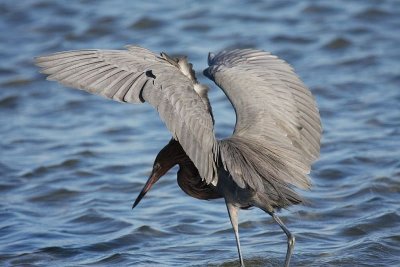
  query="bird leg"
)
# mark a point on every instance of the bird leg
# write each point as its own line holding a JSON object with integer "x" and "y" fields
{"x": 233, "y": 216}
{"x": 290, "y": 238}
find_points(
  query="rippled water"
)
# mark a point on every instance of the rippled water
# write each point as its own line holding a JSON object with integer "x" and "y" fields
{"x": 71, "y": 163}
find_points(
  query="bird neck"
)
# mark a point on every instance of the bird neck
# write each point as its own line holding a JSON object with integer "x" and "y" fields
{"x": 171, "y": 155}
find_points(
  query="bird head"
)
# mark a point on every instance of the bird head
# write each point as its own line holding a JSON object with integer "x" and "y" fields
{"x": 167, "y": 158}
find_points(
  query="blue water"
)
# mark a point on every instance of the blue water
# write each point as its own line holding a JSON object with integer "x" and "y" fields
{"x": 71, "y": 164}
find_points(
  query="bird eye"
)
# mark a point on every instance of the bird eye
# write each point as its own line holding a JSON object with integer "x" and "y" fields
{"x": 156, "y": 165}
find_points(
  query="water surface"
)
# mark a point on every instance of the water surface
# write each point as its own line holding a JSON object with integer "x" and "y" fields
{"x": 71, "y": 164}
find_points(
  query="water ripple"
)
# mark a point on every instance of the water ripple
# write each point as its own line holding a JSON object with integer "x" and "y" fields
{"x": 72, "y": 164}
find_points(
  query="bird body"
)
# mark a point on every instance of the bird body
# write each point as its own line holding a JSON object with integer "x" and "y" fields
{"x": 277, "y": 132}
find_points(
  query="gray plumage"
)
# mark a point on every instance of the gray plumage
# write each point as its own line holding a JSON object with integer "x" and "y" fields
{"x": 277, "y": 132}
{"x": 138, "y": 75}
{"x": 275, "y": 112}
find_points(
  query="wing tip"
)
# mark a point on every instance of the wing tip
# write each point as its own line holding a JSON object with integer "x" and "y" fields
{"x": 210, "y": 58}
{"x": 40, "y": 60}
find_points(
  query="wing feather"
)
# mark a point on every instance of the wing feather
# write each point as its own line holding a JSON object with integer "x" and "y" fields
{"x": 275, "y": 110}
{"x": 136, "y": 75}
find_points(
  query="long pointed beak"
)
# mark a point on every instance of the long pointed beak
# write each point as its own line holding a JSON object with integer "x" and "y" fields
{"x": 152, "y": 180}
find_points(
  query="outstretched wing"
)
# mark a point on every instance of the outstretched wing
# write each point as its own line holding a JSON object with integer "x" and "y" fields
{"x": 137, "y": 75}
{"x": 273, "y": 106}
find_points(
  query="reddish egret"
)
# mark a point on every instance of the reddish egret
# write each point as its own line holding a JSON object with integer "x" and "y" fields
{"x": 276, "y": 136}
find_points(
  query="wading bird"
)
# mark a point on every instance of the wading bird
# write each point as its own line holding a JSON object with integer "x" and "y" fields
{"x": 276, "y": 136}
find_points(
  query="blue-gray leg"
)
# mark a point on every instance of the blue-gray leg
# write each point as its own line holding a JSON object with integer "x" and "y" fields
{"x": 233, "y": 215}
{"x": 290, "y": 238}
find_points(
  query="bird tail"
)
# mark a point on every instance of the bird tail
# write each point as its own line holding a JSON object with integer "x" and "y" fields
{"x": 273, "y": 170}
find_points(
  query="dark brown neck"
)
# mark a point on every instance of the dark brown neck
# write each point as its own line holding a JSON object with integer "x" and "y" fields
{"x": 192, "y": 184}
{"x": 171, "y": 155}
